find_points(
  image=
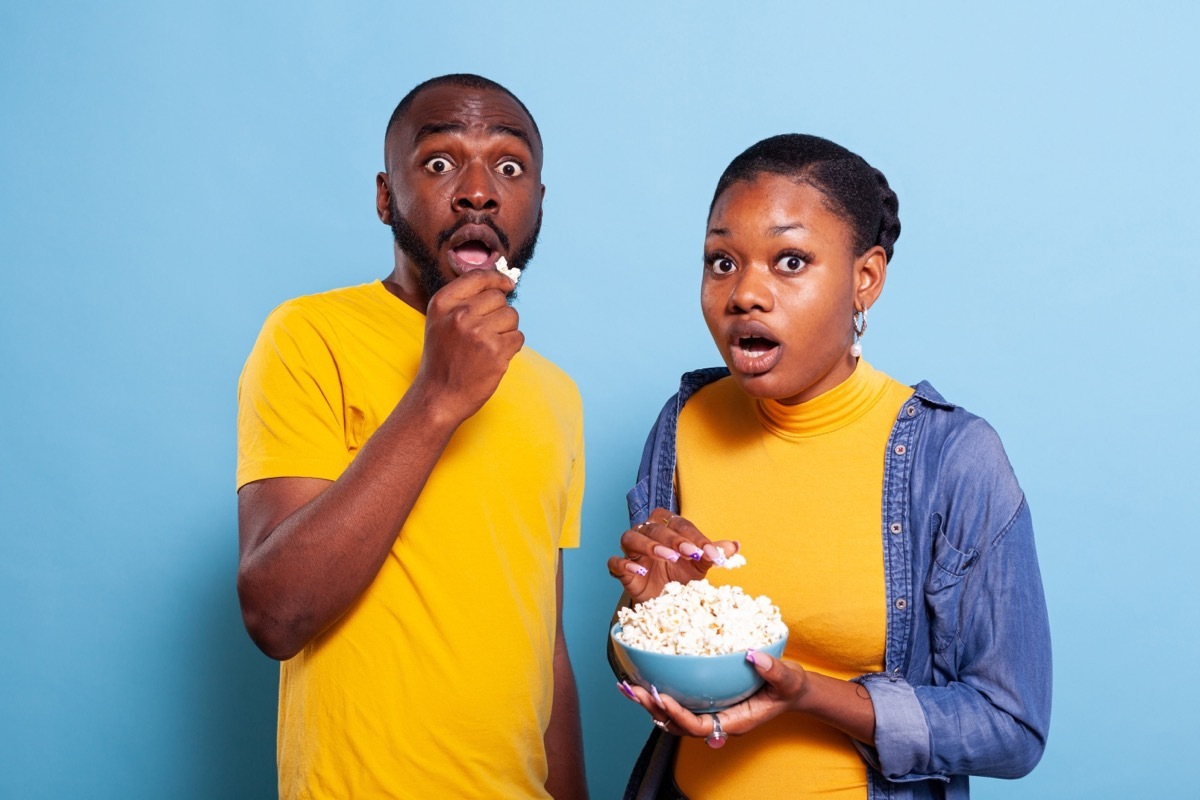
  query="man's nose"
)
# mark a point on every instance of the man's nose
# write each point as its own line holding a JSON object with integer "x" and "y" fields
{"x": 476, "y": 189}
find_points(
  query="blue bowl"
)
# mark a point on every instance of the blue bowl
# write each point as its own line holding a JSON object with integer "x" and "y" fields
{"x": 701, "y": 684}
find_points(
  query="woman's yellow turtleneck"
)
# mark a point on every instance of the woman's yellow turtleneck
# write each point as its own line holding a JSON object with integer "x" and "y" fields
{"x": 800, "y": 488}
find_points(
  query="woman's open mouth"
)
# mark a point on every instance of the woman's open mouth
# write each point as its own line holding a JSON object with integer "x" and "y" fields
{"x": 753, "y": 353}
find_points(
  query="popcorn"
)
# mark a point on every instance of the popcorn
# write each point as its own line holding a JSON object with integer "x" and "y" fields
{"x": 731, "y": 562}
{"x": 502, "y": 266}
{"x": 702, "y": 620}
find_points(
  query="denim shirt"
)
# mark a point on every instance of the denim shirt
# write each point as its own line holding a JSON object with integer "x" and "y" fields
{"x": 966, "y": 683}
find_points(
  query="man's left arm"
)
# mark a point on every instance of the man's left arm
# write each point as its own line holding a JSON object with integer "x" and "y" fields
{"x": 564, "y": 737}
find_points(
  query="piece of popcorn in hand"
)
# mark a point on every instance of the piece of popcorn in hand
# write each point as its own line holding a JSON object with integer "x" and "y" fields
{"x": 511, "y": 272}
{"x": 730, "y": 562}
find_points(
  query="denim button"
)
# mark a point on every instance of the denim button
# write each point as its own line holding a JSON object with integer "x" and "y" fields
{"x": 901, "y": 604}
{"x": 896, "y": 527}
{"x": 911, "y": 411}
{"x": 901, "y": 449}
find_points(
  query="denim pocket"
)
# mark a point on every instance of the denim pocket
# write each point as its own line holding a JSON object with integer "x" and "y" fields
{"x": 944, "y": 585}
{"x": 637, "y": 500}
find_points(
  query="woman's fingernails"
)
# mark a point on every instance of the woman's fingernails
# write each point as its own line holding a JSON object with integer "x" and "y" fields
{"x": 714, "y": 554}
{"x": 655, "y": 695}
{"x": 666, "y": 552}
{"x": 636, "y": 569}
{"x": 750, "y": 657}
{"x": 691, "y": 551}
{"x": 627, "y": 690}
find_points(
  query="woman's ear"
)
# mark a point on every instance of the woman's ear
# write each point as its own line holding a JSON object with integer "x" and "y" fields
{"x": 870, "y": 272}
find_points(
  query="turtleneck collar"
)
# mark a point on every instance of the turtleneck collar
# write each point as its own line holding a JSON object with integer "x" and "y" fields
{"x": 836, "y": 408}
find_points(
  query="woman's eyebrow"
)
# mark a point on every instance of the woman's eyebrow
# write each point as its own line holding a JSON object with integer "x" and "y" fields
{"x": 780, "y": 230}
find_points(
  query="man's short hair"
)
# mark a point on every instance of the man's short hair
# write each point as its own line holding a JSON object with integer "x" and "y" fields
{"x": 465, "y": 80}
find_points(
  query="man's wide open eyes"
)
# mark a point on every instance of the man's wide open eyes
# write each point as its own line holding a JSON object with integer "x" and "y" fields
{"x": 439, "y": 164}
{"x": 509, "y": 168}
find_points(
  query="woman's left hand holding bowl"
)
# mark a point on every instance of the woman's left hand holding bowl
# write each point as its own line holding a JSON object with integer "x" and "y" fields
{"x": 786, "y": 683}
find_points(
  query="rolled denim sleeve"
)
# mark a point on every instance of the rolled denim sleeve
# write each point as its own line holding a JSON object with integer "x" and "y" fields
{"x": 988, "y": 709}
{"x": 901, "y": 730}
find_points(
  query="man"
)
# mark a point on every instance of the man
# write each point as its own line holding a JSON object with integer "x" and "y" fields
{"x": 407, "y": 473}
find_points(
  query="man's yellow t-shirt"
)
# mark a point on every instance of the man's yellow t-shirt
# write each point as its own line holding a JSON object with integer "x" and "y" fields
{"x": 437, "y": 682}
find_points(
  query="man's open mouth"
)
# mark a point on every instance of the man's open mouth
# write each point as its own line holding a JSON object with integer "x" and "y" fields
{"x": 474, "y": 254}
{"x": 475, "y": 246}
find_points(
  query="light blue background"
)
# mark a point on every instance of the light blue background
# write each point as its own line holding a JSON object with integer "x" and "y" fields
{"x": 170, "y": 172}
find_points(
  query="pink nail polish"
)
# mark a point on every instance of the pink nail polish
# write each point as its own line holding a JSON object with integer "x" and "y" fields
{"x": 750, "y": 657}
{"x": 657, "y": 698}
{"x": 666, "y": 552}
{"x": 627, "y": 690}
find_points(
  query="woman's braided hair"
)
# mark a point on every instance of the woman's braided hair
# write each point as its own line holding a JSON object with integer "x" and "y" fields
{"x": 855, "y": 190}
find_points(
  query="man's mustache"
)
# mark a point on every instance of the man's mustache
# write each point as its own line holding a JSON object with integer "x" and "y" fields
{"x": 482, "y": 219}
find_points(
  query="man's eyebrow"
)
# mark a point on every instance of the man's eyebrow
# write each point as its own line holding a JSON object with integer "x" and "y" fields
{"x": 718, "y": 231}
{"x": 512, "y": 130}
{"x": 434, "y": 128}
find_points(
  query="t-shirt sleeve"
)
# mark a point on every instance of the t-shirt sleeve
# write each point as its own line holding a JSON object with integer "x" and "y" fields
{"x": 291, "y": 408}
{"x": 571, "y": 523}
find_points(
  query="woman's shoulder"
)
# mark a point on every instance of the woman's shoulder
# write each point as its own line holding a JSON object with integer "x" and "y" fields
{"x": 961, "y": 447}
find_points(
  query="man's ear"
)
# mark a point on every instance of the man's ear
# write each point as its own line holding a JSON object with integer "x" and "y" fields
{"x": 870, "y": 273}
{"x": 382, "y": 195}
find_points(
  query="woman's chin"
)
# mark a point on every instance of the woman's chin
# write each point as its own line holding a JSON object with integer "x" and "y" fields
{"x": 760, "y": 386}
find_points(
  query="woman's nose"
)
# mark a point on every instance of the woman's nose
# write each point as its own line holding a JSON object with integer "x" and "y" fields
{"x": 751, "y": 291}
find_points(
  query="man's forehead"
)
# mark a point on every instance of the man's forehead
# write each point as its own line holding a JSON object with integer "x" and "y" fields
{"x": 450, "y": 108}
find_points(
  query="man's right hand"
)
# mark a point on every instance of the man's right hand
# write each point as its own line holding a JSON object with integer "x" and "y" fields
{"x": 471, "y": 336}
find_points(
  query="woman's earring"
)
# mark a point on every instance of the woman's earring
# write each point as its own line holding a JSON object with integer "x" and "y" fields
{"x": 859, "y": 320}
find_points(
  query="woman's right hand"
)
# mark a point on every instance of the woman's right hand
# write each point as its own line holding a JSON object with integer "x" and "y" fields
{"x": 665, "y": 548}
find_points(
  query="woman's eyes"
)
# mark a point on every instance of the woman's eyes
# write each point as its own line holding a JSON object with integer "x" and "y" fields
{"x": 720, "y": 265}
{"x": 790, "y": 263}
{"x": 439, "y": 165}
{"x": 510, "y": 168}
{"x": 787, "y": 264}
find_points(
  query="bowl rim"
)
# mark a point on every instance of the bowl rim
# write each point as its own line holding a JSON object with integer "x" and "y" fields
{"x": 612, "y": 635}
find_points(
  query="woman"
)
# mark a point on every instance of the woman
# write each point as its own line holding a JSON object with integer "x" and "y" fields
{"x": 885, "y": 522}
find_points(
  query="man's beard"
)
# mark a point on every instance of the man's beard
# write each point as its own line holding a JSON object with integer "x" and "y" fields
{"x": 431, "y": 278}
